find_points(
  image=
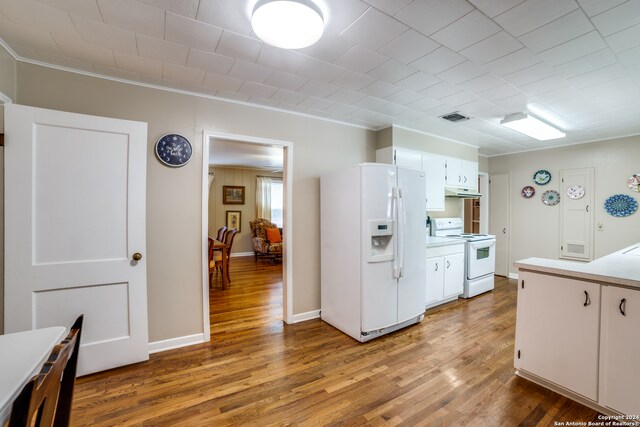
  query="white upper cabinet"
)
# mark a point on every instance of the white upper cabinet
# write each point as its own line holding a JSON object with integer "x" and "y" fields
{"x": 435, "y": 172}
{"x": 462, "y": 173}
{"x": 402, "y": 157}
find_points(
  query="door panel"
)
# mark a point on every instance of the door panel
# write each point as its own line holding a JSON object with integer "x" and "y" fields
{"x": 499, "y": 220}
{"x": 75, "y": 215}
{"x": 621, "y": 349}
{"x": 453, "y": 275}
{"x": 379, "y": 289}
{"x": 557, "y": 331}
{"x": 576, "y": 224}
{"x": 435, "y": 280}
{"x": 411, "y": 290}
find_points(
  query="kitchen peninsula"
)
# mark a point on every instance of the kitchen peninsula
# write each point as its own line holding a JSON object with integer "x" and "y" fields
{"x": 577, "y": 329}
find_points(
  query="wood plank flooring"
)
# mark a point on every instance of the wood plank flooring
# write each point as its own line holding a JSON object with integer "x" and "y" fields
{"x": 453, "y": 369}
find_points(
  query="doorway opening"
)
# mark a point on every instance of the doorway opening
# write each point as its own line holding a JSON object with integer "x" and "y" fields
{"x": 476, "y": 211}
{"x": 257, "y": 171}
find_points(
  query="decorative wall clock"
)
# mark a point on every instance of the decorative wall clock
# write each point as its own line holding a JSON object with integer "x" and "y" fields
{"x": 174, "y": 150}
{"x": 575, "y": 192}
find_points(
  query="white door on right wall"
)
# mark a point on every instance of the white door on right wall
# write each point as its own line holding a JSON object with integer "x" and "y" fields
{"x": 499, "y": 220}
{"x": 576, "y": 215}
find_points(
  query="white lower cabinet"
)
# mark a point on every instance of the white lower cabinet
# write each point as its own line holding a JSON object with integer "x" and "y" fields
{"x": 580, "y": 336}
{"x": 557, "y": 331}
{"x": 620, "y": 350}
{"x": 445, "y": 273}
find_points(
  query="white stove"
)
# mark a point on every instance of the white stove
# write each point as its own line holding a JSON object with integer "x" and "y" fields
{"x": 480, "y": 261}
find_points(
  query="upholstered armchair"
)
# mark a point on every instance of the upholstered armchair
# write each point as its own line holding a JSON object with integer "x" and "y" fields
{"x": 267, "y": 239}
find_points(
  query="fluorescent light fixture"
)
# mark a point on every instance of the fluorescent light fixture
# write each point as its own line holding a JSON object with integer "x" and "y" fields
{"x": 288, "y": 24}
{"x": 530, "y": 126}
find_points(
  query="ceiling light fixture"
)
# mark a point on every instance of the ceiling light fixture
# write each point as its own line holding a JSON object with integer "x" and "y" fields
{"x": 288, "y": 24}
{"x": 530, "y": 126}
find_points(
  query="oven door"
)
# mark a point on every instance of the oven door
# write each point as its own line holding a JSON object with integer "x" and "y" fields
{"x": 481, "y": 258}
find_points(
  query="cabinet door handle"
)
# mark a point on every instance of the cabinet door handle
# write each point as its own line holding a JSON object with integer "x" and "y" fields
{"x": 587, "y": 208}
{"x": 623, "y": 306}
{"x": 448, "y": 264}
{"x": 459, "y": 178}
{"x": 587, "y": 300}
{"x": 504, "y": 230}
{"x": 436, "y": 267}
{"x": 465, "y": 179}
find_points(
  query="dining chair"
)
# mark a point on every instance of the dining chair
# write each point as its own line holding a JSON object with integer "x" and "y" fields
{"x": 228, "y": 239}
{"x": 221, "y": 232}
{"x": 45, "y": 401}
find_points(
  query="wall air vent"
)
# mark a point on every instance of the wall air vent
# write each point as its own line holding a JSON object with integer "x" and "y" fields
{"x": 455, "y": 117}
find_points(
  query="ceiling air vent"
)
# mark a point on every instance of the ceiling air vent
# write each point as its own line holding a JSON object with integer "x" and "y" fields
{"x": 455, "y": 117}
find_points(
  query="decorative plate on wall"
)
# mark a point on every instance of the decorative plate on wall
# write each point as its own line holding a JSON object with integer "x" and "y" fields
{"x": 634, "y": 182}
{"x": 575, "y": 192}
{"x": 528, "y": 192}
{"x": 551, "y": 197}
{"x": 542, "y": 177}
{"x": 620, "y": 205}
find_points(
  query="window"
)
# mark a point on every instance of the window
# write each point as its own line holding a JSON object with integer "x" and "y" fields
{"x": 276, "y": 202}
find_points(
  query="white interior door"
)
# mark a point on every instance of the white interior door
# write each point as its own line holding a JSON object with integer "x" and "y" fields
{"x": 576, "y": 224}
{"x": 499, "y": 220}
{"x": 74, "y": 217}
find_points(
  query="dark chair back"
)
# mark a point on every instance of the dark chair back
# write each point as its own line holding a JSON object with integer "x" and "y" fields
{"x": 221, "y": 232}
{"x": 45, "y": 401}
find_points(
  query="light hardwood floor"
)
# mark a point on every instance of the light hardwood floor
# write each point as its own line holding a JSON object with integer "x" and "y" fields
{"x": 455, "y": 368}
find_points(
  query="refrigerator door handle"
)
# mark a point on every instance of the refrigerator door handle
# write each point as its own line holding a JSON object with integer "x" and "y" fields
{"x": 395, "y": 197}
{"x": 400, "y": 237}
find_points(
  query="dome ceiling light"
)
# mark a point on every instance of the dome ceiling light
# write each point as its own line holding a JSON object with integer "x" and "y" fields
{"x": 288, "y": 24}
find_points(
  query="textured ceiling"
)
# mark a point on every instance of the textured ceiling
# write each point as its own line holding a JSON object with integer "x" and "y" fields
{"x": 575, "y": 64}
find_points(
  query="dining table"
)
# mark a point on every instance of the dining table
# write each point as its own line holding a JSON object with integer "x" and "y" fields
{"x": 223, "y": 248}
{"x": 22, "y": 355}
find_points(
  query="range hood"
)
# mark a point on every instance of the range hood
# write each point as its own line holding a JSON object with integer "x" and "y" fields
{"x": 461, "y": 193}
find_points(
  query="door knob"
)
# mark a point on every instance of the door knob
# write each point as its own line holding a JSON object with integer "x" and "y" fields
{"x": 137, "y": 256}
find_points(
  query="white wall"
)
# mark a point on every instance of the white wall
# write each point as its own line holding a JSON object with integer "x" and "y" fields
{"x": 535, "y": 226}
{"x": 174, "y": 194}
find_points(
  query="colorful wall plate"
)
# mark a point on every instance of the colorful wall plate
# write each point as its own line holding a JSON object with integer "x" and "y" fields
{"x": 634, "y": 182}
{"x": 551, "y": 197}
{"x": 542, "y": 177}
{"x": 620, "y": 205}
{"x": 575, "y": 192}
{"x": 528, "y": 192}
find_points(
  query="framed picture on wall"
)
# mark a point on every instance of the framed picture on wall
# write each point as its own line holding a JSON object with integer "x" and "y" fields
{"x": 233, "y": 219}
{"x": 233, "y": 194}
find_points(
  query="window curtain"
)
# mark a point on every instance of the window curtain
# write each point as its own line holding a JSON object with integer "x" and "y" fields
{"x": 263, "y": 197}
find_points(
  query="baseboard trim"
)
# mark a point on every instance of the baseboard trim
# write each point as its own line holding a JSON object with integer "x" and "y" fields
{"x": 513, "y": 276}
{"x": 237, "y": 254}
{"x": 172, "y": 343}
{"x": 301, "y": 317}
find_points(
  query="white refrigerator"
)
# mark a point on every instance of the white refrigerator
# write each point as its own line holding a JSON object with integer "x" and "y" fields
{"x": 373, "y": 263}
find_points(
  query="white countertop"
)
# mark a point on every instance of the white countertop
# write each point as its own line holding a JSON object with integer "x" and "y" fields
{"x": 21, "y": 357}
{"x": 433, "y": 241}
{"x": 620, "y": 268}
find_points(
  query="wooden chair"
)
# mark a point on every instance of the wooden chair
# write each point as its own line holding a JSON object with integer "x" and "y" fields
{"x": 46, "y": 399}
{"x": 221, "y": 232}
{"x": 228, "y": 239}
